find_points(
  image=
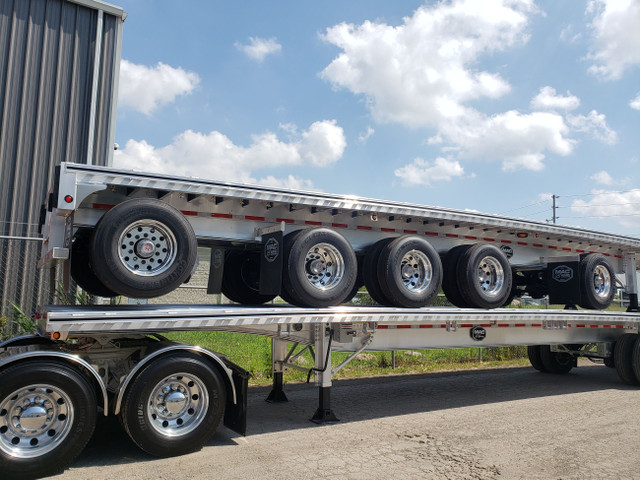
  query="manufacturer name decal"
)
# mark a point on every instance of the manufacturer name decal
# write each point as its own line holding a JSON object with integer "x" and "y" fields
{"x": 271, "y": 249}
{"x": 478, "y": 333}
{"x": 562, "y": 274}
{"x": 507, "y": 250}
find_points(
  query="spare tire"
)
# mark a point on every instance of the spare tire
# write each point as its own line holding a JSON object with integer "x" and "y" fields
{"x": 143, "y": 248}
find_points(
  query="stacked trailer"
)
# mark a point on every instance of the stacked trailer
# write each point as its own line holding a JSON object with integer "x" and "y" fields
{"x": 117, "y": 232}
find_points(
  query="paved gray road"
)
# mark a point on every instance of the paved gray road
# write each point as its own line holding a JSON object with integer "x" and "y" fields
{"x": 506, "y": 423}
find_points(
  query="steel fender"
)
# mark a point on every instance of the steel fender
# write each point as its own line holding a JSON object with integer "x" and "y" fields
{"x": 172, "y": 348}
{"x": 74, "y": 359}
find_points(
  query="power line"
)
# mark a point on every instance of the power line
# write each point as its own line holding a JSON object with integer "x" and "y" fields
{"x": 526, "y": 206}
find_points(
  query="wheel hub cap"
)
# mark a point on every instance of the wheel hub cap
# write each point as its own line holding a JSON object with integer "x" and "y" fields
{"x": 490, "y": 276}
{"x": 34, "y": 420}
{"x": 416, "y": 271}
{"x": 147, "y": 248}
{"x": 324, "y": 266}
{"x": 177, "y": 405}
{"x": 601, "y": 281}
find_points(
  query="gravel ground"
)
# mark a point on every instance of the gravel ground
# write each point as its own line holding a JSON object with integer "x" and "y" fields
{"x": 486, "y": 424}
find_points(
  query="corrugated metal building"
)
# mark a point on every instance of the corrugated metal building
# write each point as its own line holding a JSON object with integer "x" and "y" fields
{"x": 59, "y": 67}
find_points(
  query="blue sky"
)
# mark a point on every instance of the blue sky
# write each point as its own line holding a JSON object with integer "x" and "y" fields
{"x": 483, "y": 105}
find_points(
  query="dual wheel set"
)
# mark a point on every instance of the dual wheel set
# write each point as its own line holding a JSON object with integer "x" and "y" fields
{"x": 144, "y": 248}
{"x": 625, "y": 358}
{"x": 48, "y": 411}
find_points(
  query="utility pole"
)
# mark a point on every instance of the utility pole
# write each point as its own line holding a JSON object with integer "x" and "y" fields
{"x": 554, "y": 207}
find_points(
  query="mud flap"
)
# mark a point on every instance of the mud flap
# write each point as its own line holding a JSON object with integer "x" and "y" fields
{"x": 235, "y": 415}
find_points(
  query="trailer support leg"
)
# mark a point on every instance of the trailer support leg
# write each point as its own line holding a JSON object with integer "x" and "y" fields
{"x": 632, "y": 282}
{"x": 278, "y": 353}
{"x": 323, "y": 414}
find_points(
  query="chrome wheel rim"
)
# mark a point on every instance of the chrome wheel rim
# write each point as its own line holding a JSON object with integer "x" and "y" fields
{"x": 324, "y": 266}
{"x": 490, "y": 276}
{"x": 416, "y": 271}
{"x": 601, "y": 281}
{"x": 178, "y": 404}
{"x": 34, "y": 420}
{"x": 147, "y": 248}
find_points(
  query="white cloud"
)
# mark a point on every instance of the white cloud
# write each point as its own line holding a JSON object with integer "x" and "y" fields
{"x": 421, "y": 72}
{"x": 258, "y": 48}
{"x": 616, "y": 37}
{"x": 594, "y": 124}
{"x": 144, "y": 88}
{"x": 602, "y": 178}
{"x": 362, "y": 138}
{"x": 518, "y": 140}
{"x": 567, "y": 35}
{"x": 421, "y": 172}
{"x": 623, "y": 206}
{"x": 214, "y": 155}
{"x": 635, "y": 103}
{"x": 548, "y": 99}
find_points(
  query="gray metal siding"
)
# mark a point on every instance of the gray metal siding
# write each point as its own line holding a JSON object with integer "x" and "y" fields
{"x": 47, "y": 50}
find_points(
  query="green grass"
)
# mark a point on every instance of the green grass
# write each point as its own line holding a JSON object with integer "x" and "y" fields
{"x": 253, "y": 353}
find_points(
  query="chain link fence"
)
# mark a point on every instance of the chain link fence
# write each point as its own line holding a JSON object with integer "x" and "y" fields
{"x": 23, "y": 286}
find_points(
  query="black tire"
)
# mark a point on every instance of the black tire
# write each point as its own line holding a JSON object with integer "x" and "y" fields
{"x": 495, "y": 287}
{"x": 410, "y": 272}
{"x": 556, "y": 362}
{"x": 450, "y": 276}
{"x": 59, "y": 436}
{"x": 635, "y": 359}
{"x": 81, "y": 268}
{"x": 535, "y": 357}
{"x": 623, "y": 358}
{"x": 241, "y": 278}
{"x": 320, "y": 268}
{"x": 370, "y": 272}
{"x": 358, "y": 284}
{"x": 597, "y": 282}
{"x": 143, "y": 248}
{"x": 198, "y": 397}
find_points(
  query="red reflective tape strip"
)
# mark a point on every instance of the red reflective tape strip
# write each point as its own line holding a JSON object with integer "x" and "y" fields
{"x": 566, "y": 249}
{"x": 506, "y": 241}
{"x": 339, "y": 225}
{"x": 469, "y": 237}
{"x": 618, "y": 256}
{"x": 364, "y": 227}
{"x": 503, "y": 325}
{"x": 285, "y": 220}
{"x": 523, "y": 244}
{"x": 606, "y": 254}
{"x": 221, "y": 215}
{"x": 619, "y": 326}
{"x": 537, "y": 245}
{"x": 443, "y": 326}
{"x": 310, "y": 222}
{"x": 607, "y": 326}
{"x": 250, "y": 217}
{"x": 102, "y": 206}
{"x": 594, "y": 326}
{"x": 579, "y": 251}
{"x": 451, "y": 235}
{"x": 426, "y": 326}
{"x": 383, "y": 327}
{"x": 520, "y": 325}
{"x": 403, "y": 326}
{"x": 431, "y": 234}
{"x": 466, "y": 325}
{"x": 536, "y": 324}
{"x": 581, "y": 326}
{"x": 411, "y": 231}
{"x": 552, "y": 247}
{"x": 387, "y": 229}
{"x": 189, "y": 213}
{"x": 489, "y": 239}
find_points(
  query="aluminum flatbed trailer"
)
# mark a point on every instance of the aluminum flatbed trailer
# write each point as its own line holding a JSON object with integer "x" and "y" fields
{"x": 135, "y": 234}
{"x": 170, "y": 397}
